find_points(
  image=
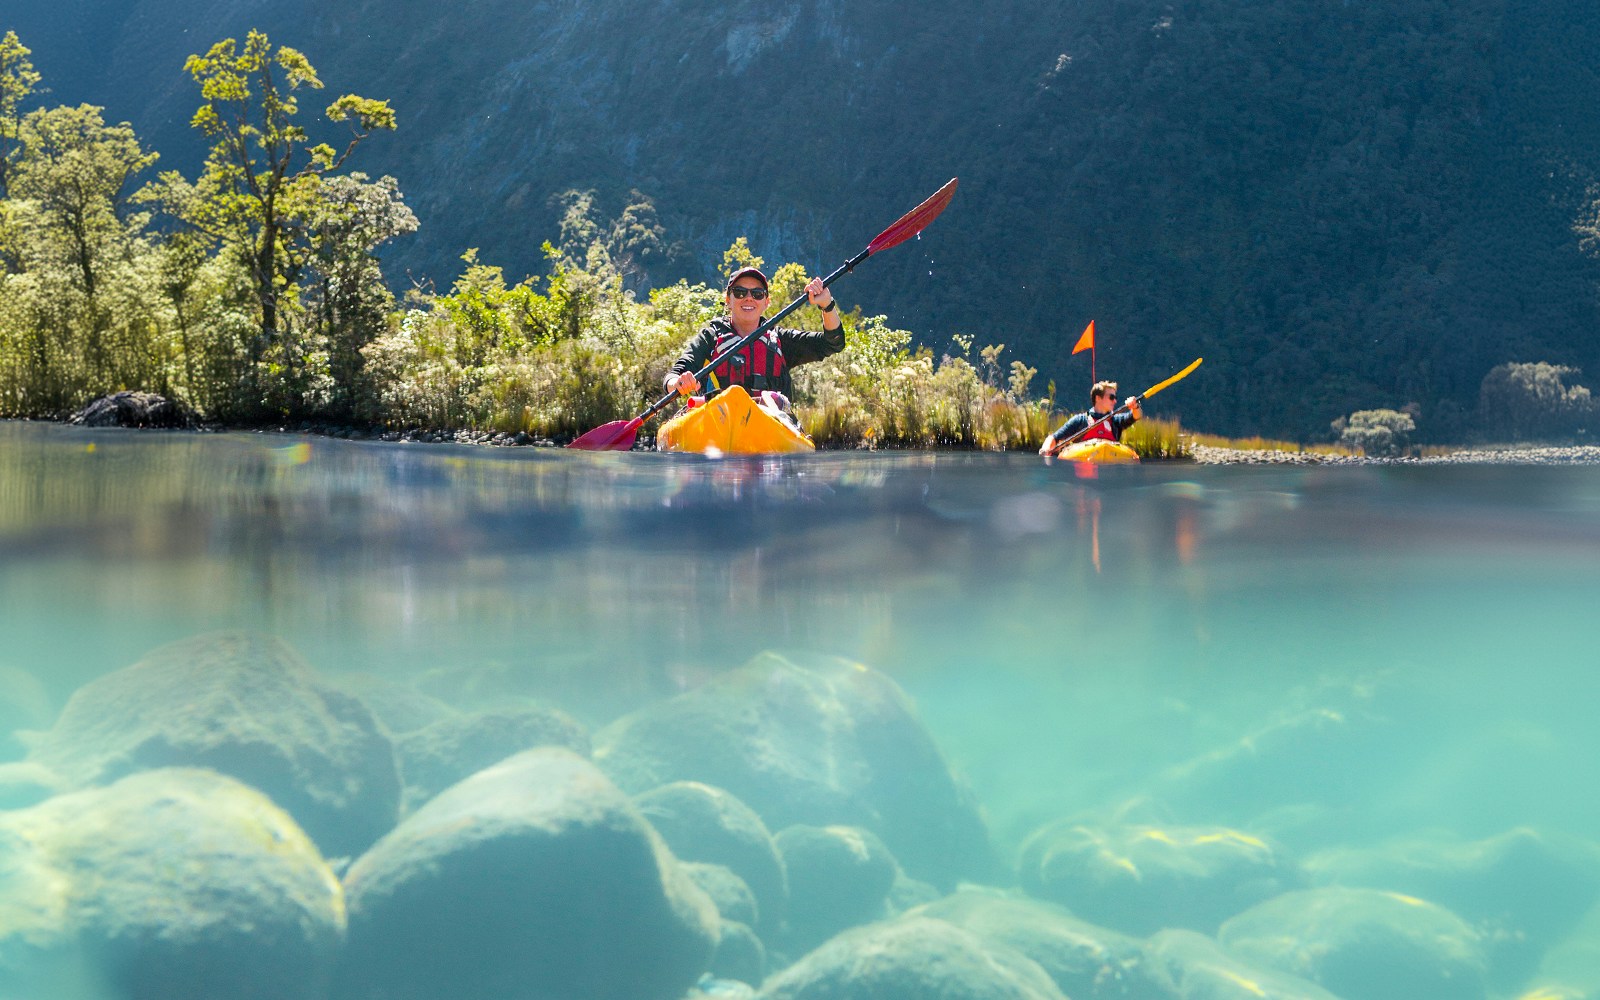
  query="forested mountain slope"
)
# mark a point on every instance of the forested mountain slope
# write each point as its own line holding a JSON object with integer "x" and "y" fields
{"x": 1341, "y": 205}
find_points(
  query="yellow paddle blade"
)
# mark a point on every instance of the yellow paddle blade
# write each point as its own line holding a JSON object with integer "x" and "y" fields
{"x": 1162, "y": 385}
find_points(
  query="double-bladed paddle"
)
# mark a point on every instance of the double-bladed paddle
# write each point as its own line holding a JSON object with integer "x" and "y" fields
{"x": 619, "y": 435}
{"x": 1140, "y": 398}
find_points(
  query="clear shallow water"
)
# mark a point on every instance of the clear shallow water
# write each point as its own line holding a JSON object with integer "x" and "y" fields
{"x": 1069, "y": 641}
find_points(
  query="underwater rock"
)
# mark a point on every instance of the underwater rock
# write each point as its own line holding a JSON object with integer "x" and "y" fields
{"x": 400, "y": 708}
{"x": 245, "y": 705}
{"x": 535, "y": 879}
{"x": 24, "y": 705}
{"x": 740, "y": 955}
{"x": 1363, "y": 943}
{"x": 1141, "y": 879}
{"x": 167, "y": 883}
{"x": 711, "y": 988}
{"x": 907, "y": 893}
{"x": 1086, "y": 961}
{"x": 438, "y": 755}
{"x": 134, "y": 409}
{"x": 1522, "y": 890}
{"x": 1190, "y": 965}
{"x": 702, "y": 823}
{"x": 1570, "y": 969}
{"x": 912, "y": 957}
{"x": 727, "y": 891}
{"x": 827, "y": 743}
{"x": 24, "y": 784}
{"x": 839, "y": 877}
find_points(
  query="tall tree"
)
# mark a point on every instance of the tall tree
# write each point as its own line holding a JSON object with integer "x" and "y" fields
{"x": 350, "y": 218}
{"x": 17, "y": 80}
{"x": 76, "y": 234}
{"x": 262, "y": 170}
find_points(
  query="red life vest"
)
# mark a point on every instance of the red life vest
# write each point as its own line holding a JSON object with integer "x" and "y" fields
{"x": 1100, "y": 431}
{"x": 757, "y": 365}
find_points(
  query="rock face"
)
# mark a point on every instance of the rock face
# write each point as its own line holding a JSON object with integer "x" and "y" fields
{"x": 168, "y": 883}
{"x": 133, "y": 409}
{"x": 830, "y": 743}
{"x": 245, "y": 705}
{"x": 535, "y": 879}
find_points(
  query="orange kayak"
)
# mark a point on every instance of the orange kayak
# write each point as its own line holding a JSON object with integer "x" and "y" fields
{"x": 731, "y": 423}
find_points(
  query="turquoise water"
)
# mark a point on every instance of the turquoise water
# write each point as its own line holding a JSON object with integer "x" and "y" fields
{"x": 1076, "y": 645}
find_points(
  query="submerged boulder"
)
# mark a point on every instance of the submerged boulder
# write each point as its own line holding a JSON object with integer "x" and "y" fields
{"x": 1523, "y": 889}
{"x": 727, "y": 891}
{"x": 24, "y": 705}
{"x": 245, "y": 705}
{"x": 1086, "y": 961}
{"x": 1192, "y": 966}
{"x": 535, "y": 879}
{"x": 167, "y": 883}
{"x": 1363, "y": 943}
{"x": 826, "y": 743}
{"x": 839, "y": 877}
{"x": 911, "y": 957}
{"x": 703, "y": 823}
{"x": 399, "y": 708}
{"x": 1141, "y": 879}
{"x": 438, "y": 755}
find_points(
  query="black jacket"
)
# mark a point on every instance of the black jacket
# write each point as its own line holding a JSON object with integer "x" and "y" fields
{"x": 796, "y": 347}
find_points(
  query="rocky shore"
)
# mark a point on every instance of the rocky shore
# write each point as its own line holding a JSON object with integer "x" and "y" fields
{"x": 139, "y": 409}
{"x": 1499, "y": 455}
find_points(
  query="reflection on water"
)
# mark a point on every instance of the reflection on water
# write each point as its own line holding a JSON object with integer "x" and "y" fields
{"x": 1145, "y": 643}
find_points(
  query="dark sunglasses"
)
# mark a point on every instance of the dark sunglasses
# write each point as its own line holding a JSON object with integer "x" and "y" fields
{"x": 740, "y": 292}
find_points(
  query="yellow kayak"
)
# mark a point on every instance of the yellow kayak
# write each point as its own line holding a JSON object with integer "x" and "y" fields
{"x": 731, "y": 423}
{"x": 1099, "y": 451}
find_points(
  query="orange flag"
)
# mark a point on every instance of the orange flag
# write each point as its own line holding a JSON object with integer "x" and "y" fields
{"x": 1086, "y": 342}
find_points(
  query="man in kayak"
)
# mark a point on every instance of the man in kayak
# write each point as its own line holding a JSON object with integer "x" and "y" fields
{"x": 761, "y": 366}
{"x": 1102, "y": 400}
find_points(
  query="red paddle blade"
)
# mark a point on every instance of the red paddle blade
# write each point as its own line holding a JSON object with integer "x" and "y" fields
{"x": 914, "y": 221}
{"x": 618, "y": 435}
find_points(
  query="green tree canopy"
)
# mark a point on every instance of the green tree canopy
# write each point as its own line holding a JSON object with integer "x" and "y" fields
{"x": 258, "y": 192}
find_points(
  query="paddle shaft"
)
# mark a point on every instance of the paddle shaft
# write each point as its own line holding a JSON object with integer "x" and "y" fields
{"x": 750, "y": 337}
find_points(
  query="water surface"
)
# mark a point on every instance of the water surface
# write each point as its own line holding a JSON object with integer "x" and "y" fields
{"x": 1072, "y": 641}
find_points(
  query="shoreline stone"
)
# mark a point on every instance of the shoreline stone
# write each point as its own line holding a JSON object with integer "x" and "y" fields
{"x": 1582, "y": 454}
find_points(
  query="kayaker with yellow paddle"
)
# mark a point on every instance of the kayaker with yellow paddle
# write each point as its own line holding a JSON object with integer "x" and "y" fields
{"x": 1095, "y": 436}
{"x": 1094, "y": 424}
{"x": 762, "y": 365}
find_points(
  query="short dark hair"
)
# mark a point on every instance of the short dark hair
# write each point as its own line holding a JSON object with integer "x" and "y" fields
{"x": 1100, "y": 389}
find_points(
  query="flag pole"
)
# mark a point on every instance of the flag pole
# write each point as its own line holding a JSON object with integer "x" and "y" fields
{"x": 1086, "y": 342}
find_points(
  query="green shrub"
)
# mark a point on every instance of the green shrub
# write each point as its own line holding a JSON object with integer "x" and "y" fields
{"x": 1519, "y": 401}
{"x": 1376, "y": 432}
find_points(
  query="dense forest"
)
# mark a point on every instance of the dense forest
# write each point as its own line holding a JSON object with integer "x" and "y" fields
{"x": 1341, "y": 206}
